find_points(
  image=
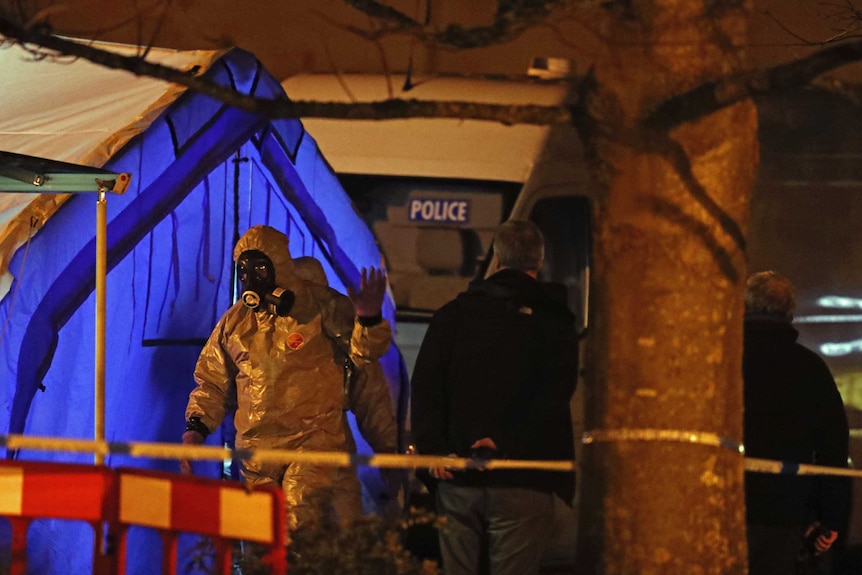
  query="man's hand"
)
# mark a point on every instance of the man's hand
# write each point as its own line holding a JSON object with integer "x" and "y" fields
{"x": 368, "y": 299}
{"x": 484, "y": 445}
{"x": 442, "y": 472}
{"x": 824, "y": 539}
{"x": 190, "y": 438}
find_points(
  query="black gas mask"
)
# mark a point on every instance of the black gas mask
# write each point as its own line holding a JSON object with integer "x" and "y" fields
{"x": 259, "y": 292}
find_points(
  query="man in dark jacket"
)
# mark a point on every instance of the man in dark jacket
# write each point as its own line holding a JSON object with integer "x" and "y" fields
{"x": 793, "y": 413}
{"x": 494, "y": 378}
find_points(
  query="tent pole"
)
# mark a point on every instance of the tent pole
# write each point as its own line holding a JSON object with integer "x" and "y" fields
{"x": 101, "y": 272}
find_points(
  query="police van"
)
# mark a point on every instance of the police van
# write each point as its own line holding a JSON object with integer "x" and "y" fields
{"x": 434, "y": 190}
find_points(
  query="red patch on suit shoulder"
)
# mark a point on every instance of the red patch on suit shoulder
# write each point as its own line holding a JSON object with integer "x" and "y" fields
{"x": 295, "y": 341}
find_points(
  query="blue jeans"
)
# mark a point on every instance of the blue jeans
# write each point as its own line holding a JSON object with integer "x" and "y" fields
{"x": 516, "y": 523}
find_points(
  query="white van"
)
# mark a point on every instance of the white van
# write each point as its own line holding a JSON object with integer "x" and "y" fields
{"x": 434, "y": 190}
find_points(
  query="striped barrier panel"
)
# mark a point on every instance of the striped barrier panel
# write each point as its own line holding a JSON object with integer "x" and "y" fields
{"x": 111, "y": 501}
{"x": 35, "y": 490}
{"x": 224, "y": 511}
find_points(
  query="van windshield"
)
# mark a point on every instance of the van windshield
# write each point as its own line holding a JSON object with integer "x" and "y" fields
{"x": 434, "y": 234}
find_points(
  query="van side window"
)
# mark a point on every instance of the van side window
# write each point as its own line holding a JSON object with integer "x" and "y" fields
{"x": 565, "y": 223}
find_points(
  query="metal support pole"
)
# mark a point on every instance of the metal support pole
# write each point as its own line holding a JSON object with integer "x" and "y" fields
{"x": 101, "y": 282}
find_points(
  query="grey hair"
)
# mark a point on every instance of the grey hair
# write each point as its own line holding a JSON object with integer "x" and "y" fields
{"x": 519, "y": 244}
{"x": 770, "y": 293}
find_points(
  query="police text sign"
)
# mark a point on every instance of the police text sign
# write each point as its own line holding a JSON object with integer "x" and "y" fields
{"x": 439, "y": 210}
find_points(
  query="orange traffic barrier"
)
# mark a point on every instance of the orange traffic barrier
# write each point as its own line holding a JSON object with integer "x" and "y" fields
{"x": 34, "y": 490}
{"x": 113, "y": 500}
{"x": 225, "y": 511}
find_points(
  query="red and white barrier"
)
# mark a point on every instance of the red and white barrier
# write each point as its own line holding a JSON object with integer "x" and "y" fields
{"x": 112, "y": 501}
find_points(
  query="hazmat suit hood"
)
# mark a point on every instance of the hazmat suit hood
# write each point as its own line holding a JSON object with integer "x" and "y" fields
{"x": 310, "y": 269}
{"x": 273, "y": 244}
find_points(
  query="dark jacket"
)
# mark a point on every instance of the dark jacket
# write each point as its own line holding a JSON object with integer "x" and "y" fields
{"x": 500, "y": 361}
{"x": 793, "y": 412}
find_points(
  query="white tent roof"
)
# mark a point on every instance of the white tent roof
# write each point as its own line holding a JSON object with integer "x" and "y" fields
{"x": 73, "y": 111}
{"x": 426, "y": 147}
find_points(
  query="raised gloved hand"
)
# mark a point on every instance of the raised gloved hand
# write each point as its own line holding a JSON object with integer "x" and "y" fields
{"x": 190, "y": 437}
{"x": 368, "y": 299}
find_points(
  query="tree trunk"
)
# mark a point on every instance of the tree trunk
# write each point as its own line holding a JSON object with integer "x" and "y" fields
{"x": 666, "y": 344}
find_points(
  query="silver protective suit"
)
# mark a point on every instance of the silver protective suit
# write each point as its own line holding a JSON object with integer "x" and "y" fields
{"x": 285, "y": 376}
{"x": 369, "y": 399}
{"x": 368, "y": 394}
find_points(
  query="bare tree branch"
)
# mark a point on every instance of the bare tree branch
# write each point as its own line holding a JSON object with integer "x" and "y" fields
{"x": 44, "y": 15}
{"x": 786, "y": 29}
{"x": 511, "y": 19}
{"x": 686, "y": 107}
{"x": 283, "y": 108}
{"x": 714, "y": 96}
{"x": 383, "y": 12}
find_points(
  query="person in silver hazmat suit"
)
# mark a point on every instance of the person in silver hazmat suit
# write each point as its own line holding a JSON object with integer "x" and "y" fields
{"x": 367, "y": 396}
{"x": 279, "y": 356}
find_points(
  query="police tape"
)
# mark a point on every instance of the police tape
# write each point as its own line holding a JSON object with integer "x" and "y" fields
{"x": 214, "y": 453}
{"x": 382, "y": 460}
{"x": 790, "y": 468}
{"x": 752, "y": 464}
{"x": 629, "y": 434}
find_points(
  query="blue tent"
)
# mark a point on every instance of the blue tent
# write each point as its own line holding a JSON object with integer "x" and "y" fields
{"x": 202, "y": 173}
